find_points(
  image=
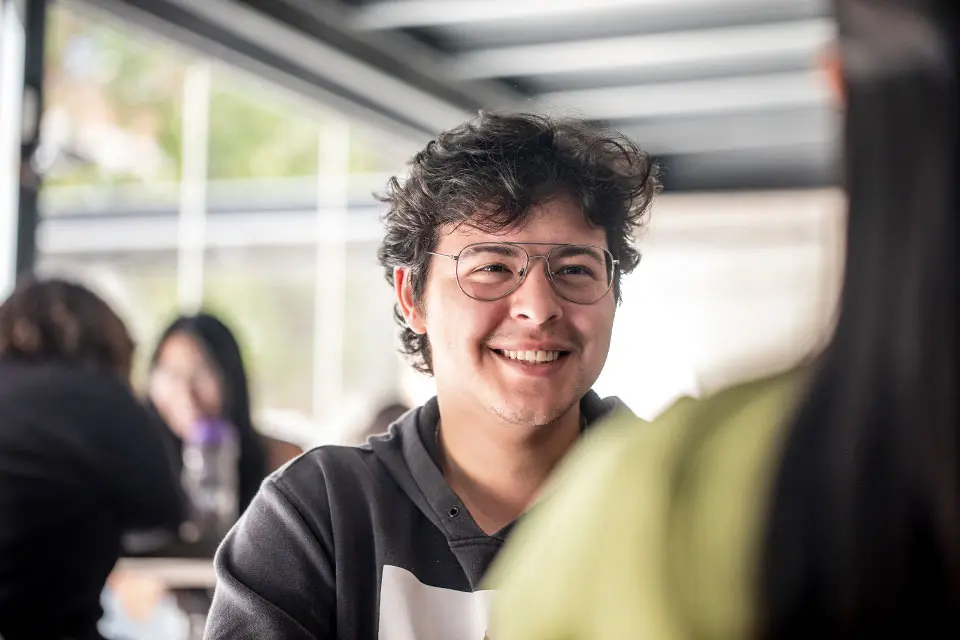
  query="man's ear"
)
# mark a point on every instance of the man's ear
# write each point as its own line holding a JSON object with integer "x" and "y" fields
{"x": 408, "y": 306}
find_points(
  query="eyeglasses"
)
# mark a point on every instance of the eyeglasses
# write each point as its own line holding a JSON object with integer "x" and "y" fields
{"x": 579, "y": 273}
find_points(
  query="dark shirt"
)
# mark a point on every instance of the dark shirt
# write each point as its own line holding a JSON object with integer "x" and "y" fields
{"x": 360, "y": 543}
{"x": 81, "y": 461}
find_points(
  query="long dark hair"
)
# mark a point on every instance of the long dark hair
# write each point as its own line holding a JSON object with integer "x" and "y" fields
{"x": 223, "y": 352}
{"x": 864, "y": 529}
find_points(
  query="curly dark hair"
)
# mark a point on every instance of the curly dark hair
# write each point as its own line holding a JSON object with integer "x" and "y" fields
{"x": 57, "y": 320}
{"x": 489, "y": 173}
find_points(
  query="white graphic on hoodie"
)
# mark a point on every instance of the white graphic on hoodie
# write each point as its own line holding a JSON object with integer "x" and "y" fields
{"x": 411, "y": 610}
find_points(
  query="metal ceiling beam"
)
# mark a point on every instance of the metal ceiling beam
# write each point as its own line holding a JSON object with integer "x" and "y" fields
{"x": 356, "y": 77}
{"x": 697, "y": 48}
{"x": 395, "y": 53}
{"x": 755, "y": 130}
{"x": 794, "y": 166}
{"x": 700, "y": 97}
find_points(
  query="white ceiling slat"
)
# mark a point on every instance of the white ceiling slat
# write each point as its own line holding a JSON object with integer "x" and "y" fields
{"x": 379, "y": 16}
{"x": 689, "y": 48}
{"x": 735, "y": 133}
{"x": 699, "y": 97}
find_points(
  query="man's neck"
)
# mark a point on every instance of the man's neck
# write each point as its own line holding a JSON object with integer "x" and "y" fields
{"x": 497, "y": 468}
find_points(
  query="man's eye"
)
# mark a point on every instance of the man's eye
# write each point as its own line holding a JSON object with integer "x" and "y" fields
{"x": 494, "y": 268}
{"x": 574, "y": 270}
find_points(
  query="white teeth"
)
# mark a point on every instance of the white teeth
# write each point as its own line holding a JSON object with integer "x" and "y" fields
{"x": 532, "y": 356}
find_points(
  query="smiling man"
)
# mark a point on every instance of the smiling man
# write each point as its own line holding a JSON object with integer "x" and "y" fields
{"x": 505, "y": 246}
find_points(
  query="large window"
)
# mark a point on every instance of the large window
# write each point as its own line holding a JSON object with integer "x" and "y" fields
{"x": 266, "y": 295}
{"x": 174, "y": 182}
{"x": 113, "y": 103}
{"x": 371, "y": 357}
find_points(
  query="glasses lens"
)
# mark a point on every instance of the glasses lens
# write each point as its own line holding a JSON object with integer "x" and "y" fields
{"x": 489, "y": 271}
{"x": 581, "y": 273}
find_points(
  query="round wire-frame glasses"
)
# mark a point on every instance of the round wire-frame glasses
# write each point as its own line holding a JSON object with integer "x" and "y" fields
{"x": 578, "y": 273}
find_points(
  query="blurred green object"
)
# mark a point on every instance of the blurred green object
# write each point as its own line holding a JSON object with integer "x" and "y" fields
{"x": 650, "y": 530}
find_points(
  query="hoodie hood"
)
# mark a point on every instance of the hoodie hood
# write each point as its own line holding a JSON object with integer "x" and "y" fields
{"x": 410, "y": 453}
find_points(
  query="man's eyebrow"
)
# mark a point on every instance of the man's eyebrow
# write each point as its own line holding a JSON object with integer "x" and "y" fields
{"x": 579, "y": 250}
{"x": 500, "y": 250}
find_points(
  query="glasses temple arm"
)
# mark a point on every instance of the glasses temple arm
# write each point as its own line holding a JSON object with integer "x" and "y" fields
{"x": 443, "y": 255}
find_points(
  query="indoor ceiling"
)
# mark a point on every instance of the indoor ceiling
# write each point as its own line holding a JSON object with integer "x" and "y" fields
{"x": 724, "y": 92}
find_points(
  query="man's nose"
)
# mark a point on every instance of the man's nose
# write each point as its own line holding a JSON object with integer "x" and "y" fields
{"x": 535, "y": 299}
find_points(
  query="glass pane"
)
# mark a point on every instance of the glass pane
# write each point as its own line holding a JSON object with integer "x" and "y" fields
{"x": 258, "y": 131}
{"x": 113, "y": 98}
{"x": 371, "y": 361}
{"x": 266, "y": 295}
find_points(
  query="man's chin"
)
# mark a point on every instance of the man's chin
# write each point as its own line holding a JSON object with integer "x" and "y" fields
{"x": 539, "y": 415}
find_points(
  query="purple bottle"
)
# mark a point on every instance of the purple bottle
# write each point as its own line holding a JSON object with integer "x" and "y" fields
{"x": 210, "y": 479}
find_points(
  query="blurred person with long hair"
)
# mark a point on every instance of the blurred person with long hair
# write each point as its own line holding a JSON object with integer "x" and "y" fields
{"x": 821, "y": 502}
{"x": 81, "y": 460}
{"x": 197, "y": 372}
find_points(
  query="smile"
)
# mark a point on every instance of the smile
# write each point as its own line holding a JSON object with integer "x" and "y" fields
{"x": 532, "y": 357}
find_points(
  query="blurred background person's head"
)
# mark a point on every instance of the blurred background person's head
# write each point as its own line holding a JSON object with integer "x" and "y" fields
{"x": 59, "y": 321}
{"x": 865, "y": 526}
{"x": 380, "y": 423}
{"x": 197, "y": 371}
{"x": 386, "y": 416}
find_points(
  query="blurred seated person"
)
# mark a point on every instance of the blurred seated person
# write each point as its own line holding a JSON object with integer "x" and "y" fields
{"x": 197, "y": 372}
{"x": 81, "y": 460}
{"x": 280, "y": 452}
{"x": 385, "y": 416}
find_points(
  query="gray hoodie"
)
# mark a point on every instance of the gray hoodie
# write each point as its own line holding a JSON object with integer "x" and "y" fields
{"x": 361, "y": 543}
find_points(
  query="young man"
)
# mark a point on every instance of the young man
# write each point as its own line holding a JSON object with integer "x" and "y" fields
{"x": 505, "y": 246}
